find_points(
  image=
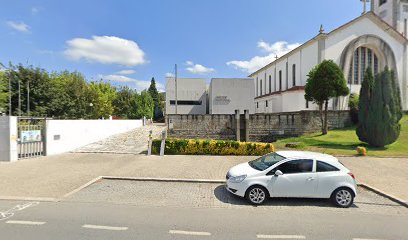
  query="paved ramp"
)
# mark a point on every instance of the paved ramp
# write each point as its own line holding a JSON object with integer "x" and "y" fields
{"x": 134, "y": 141}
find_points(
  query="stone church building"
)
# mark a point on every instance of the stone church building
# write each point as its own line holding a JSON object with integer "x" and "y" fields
{"x": 377, "y": 38}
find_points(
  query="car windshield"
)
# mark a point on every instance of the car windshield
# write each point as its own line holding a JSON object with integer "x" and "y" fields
{"x": 266, "y": 161}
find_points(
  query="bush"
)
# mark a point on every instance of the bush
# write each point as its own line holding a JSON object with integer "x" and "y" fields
{"x": 211, "y": 147}
{"x": 361, "y": 151}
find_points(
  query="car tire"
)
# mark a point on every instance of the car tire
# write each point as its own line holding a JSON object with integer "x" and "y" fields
{"x": 257, "y": 195}
{"x": 342, "y": 197}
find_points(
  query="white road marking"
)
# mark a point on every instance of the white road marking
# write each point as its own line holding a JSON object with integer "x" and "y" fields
{"x": 105, "y": 227}
{"x": 280, "y": 236}
{"x": 189, "y": 233}
{"x": 9, "y": 213}
{"x": 25, "y": 222}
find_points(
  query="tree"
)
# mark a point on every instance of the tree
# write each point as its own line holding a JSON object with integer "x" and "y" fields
{"x": 122, "y": 103}
{"x": 380, "y": 109}
{"x": 141, "y": 106}
{"x": 100, "y": 97}
{"x": 325, "y": 81}
{"x": 3, "y": 92}
{"x": 158, "y": 109}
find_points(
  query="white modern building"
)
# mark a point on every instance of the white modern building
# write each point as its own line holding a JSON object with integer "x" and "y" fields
{"x": 377, "y": 38}
{"x": 191, "y": 96}
{"x": 226, "y": 95}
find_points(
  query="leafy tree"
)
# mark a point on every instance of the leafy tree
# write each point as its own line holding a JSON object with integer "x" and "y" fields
{"x": 141, "y": 106}
{"x": 157, "y": 99}
{"x": 122, "y": 103}
{"x": 100, "y": 97}
{"x": 3, "y": 92}
{"x": 325, "y": 81}
{"x": 380, "y": 109}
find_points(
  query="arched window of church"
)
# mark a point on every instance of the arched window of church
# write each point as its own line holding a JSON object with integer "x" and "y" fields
{"x": 363, "y": 58}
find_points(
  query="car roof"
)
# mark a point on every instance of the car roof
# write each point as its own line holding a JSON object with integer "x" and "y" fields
{"x": 307, "y": 155}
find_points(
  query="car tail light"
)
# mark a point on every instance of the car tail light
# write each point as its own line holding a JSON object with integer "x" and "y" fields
{"x": 351, "y": 175}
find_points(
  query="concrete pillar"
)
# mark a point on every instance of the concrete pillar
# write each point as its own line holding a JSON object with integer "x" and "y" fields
{"x": 237, "y": 126}
{"x": 246, "y": 125}
{"x": 8, "y": 139}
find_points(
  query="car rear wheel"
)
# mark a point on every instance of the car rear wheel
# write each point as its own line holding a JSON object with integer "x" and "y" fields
{"x": 343, "y": 197}
{"x": 257, "y": 195}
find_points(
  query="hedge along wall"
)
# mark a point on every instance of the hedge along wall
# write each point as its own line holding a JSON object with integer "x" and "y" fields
{"x": 212, "y": 147}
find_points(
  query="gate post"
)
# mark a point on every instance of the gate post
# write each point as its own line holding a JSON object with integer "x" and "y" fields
{"x": 163, "y": 143}
{"x": 237, "y": 126}
{"x": 149, "y": 149}
{"x": 8, "y": 138}
{"x": 246, "y": 125}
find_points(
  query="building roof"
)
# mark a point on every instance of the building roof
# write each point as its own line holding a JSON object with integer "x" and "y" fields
{"x": 371, "y": 15}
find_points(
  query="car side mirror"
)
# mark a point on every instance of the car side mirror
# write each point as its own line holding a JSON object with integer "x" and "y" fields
{"x": 278, "y": 173}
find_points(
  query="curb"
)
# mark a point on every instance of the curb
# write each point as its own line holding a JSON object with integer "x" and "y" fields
{"x": 81, "y": 187}
{"x": 37, "y": 199}
{"x": 384, "y": 194}
{"x": 180, "y": 180}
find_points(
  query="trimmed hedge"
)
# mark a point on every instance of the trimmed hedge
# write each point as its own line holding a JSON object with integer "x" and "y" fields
{"x": 211, "y": 147}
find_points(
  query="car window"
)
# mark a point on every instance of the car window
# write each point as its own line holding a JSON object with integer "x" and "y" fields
{"x": 296, "y": 166}
{"x": 325, "y": 167}
{"x": 266, "y": 161}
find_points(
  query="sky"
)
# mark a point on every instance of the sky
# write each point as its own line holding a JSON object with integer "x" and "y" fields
{"x": 127, "y": 42}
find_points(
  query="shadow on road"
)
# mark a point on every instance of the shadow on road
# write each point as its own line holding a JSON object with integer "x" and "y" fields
{"x": 226, "y": 197}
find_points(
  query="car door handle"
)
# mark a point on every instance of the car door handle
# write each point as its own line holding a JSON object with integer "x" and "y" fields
{"x": 311, "y": 179}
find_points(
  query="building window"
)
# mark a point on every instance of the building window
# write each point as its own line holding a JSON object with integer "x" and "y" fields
{"x": 257, "y": 91}
{"x": 185, "y": 102}
{"x": 257, "y": 105}
{"x": 261, "y": 87}
{"x": 294, "y": 75}
{"x": 270, "y": 83}
{"x": 280, "y": 80}
{"x": 307, "y": 104}
{"x": 266, "y": 103}
{"x": 382, "y": 2}
{"x": 363, "y": 58}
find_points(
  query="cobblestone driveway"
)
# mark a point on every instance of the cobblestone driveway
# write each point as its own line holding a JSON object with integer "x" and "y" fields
{"x": 134, "y": 141}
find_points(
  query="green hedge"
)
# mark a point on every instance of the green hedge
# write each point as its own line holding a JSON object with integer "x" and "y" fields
{"x": 211, "y": 147}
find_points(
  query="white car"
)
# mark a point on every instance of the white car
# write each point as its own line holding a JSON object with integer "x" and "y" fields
{"x": 293, "y": 174}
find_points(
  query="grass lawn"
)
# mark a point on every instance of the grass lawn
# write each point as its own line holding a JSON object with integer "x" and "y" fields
{"x": 344, "y": 142}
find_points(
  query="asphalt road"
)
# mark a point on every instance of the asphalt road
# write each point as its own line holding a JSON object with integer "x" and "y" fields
{"x": 126, "y": 210}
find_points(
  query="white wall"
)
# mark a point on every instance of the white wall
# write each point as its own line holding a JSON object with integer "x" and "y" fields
{"x": 8, "y": 138}
{"x": 188, "y": 89}
{"x": 67, "y": 135}
{"x": 229, "y": 94}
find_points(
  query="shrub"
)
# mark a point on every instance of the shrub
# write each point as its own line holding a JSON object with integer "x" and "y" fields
{"x": 361, "y": 151}
{"x": 211, "y": 147}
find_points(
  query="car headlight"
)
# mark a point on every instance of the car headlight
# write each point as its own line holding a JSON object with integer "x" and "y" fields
{"x": 238, "y": 179}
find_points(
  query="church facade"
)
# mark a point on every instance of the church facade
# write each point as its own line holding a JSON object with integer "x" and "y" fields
{"x": 377, "y": 39}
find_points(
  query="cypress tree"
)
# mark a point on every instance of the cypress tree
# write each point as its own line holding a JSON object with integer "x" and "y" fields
{"x": 380, "y": 109}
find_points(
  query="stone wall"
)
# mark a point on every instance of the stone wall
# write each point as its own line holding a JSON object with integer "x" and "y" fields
{"x": 262, "y": 127}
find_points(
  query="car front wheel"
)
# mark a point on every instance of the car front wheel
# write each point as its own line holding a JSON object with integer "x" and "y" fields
{"x": 257, "y": 195}
{"x": 343, "y": 197}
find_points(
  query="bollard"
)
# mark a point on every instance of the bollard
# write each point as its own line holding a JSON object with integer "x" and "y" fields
{"x": 149, "y": 149}
{"x": 163, "y": 143}
{"x": 144, "y": 121}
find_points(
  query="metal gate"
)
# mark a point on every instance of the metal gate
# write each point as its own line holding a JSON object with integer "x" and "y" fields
{"x": 31, "y": 137}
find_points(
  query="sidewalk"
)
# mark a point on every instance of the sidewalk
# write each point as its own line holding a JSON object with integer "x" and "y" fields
{"x": 55, "y": 176}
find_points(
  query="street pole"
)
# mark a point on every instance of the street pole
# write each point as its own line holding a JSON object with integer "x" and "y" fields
{"x": 175, "y": 82}
{"x": 19, "y": 98}
{"x": 9, "y": 93}
{"x": 28, "y": 98}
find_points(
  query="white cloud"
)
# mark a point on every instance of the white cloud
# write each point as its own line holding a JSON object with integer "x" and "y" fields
{"x": 170, "y": 75}
{"x": 19, "y": 26}
{"x": 126, "y": 72}
{"x": 139, "y": 85}
{"x": 106, "y": 50}
{"x": 276, "y": 49}
{"x": 35, "y": 10}
{"x": 198, "y": 68}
